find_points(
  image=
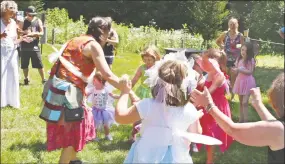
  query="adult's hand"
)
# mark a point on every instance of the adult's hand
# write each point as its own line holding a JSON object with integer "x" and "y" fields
{"x": 255, "y": 96}
{"x": 201, "y": 98}
{"x": 125, "y": 84}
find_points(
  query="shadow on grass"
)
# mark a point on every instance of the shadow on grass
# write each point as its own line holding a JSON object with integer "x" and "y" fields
{"x": 34, "y": 147}
{"x": 120, "y": 141}
{"x": 112, "y": 146}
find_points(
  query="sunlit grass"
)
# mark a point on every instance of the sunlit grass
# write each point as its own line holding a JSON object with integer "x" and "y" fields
{"x": 23, "y": 136}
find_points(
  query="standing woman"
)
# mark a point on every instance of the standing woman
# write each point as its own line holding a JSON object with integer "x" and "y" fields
{"x": 109, "y": 47}
{"x": 228, "y": 41}
{"x": 84, "y": 52}
{"x": 10, "y": 93}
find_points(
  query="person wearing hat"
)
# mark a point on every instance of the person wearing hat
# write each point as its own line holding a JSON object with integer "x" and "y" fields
{"x": 32, "y": 29}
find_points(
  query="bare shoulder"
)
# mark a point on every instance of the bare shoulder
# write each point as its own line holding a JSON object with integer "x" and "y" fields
{"x": 90, "y": 48}
{"x": 219, "y": 79}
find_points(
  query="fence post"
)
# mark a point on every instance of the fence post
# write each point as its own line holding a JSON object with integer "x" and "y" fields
{"x": 182, "y": 42}
{"x": 53, "y": 36}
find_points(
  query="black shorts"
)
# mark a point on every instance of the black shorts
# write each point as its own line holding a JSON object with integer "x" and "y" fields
{"x": 109, "y": 59}
{"x": 35, "y": 56}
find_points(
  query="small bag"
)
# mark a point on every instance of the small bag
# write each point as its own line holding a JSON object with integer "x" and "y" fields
{"x": 73, "y": 114}
{"x": 60, "y": 95}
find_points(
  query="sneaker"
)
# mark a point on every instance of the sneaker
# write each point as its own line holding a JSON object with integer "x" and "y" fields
{"x": 26, "y": 81}
{"x": 109, "y": 137}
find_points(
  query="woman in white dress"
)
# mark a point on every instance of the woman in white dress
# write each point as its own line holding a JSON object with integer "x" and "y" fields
{"x": 10, "y": 95}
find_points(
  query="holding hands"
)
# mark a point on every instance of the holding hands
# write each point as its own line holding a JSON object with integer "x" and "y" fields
{"x": 126, "y": 88}
{"x": 125, "y": 84}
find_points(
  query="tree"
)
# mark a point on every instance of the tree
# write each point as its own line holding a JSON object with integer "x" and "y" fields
{"x": 38, "y": 4}
{"x": 208, "y": 17}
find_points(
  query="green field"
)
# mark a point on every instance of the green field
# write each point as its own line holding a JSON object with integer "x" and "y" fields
{"x": 23, "y": 136}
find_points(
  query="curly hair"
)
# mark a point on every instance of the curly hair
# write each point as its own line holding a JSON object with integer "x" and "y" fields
{"x": 5, "y": 5}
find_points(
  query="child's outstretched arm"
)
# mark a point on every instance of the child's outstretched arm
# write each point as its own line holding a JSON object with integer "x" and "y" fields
{"x": 123, "y": 114}
{"x": 114, "y": 96}
{"x": 137, "y": 76}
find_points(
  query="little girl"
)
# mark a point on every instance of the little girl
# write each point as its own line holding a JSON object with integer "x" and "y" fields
{"x": 166, "y": 118}
{"x": 101, "y": 97}
{"x": 149, "y": 56}
{"x": 245, "y": 80}
{"x": 214, "y": 63}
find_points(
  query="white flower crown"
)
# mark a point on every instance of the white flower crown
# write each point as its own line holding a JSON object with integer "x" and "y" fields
{"x": 189, "y": 83}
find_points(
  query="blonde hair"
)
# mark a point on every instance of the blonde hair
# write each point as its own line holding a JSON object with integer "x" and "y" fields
{"x": 172, "y": 72}
{"x": 234, "y": 20}
{"x": 152, "y": 51}
{"x": 276, "y": 94}
{"x": 218, "y": 55}
{"x": 6, "y": 4}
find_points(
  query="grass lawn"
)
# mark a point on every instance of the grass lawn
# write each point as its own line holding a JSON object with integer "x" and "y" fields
{"x": 23, "y": 136}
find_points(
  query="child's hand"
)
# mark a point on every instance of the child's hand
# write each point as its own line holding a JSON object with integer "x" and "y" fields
{"x": 200, "y": 113}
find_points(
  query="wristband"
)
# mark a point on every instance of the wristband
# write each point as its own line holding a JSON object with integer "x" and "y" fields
{"x": 209, "y": 107}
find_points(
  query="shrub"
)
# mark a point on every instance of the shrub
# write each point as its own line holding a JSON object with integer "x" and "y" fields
{"x": 64, "y": 27}
{"x": 130, "y": 39}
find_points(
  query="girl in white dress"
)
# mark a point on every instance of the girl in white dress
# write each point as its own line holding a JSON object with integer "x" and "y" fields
{"x": 10, "y": 94}
{"x": 168, "y": 117}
